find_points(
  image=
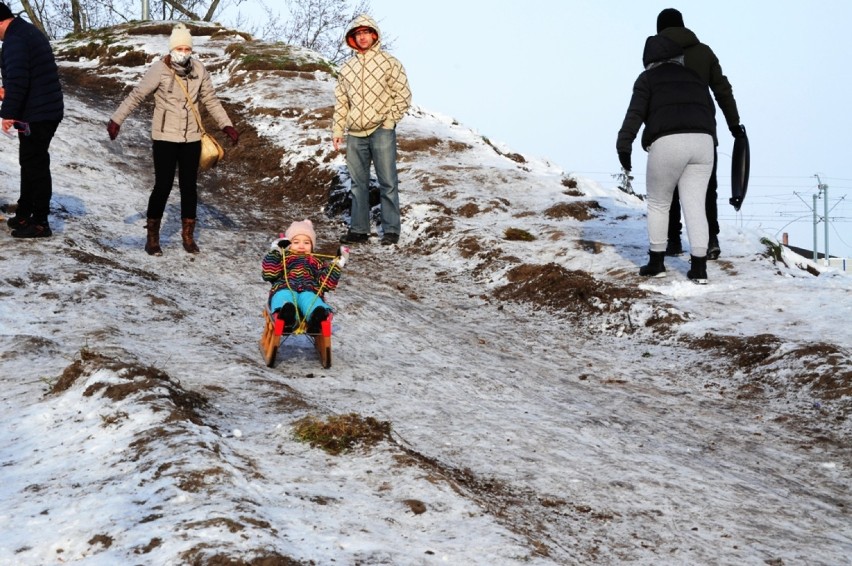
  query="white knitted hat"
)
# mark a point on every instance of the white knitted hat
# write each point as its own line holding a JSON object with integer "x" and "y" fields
{"x": 180, "y": 37}
{"x": 304, "y": 228}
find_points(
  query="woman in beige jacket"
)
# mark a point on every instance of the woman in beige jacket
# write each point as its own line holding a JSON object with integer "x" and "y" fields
{"x": 175, "y": 132}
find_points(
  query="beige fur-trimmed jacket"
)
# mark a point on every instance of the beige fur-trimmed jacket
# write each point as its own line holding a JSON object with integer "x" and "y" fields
{"x": 173, "y": 119}
{"x": 372, "y": 90}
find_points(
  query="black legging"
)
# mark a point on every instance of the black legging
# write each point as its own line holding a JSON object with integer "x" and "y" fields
{"x": 169, "y": 156}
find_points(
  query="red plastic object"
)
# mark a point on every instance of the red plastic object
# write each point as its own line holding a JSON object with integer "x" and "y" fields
{"x": 325, "y": 327}
{"x": 279, "y": 326}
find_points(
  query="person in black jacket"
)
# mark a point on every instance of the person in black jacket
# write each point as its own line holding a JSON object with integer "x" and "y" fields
{"x": 33, "y": 106}
{"x": 701, "y": 59}
{"x": 679, "y": 136}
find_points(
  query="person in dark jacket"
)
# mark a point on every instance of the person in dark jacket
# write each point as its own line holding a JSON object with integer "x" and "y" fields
{"x": 701, "y": 59}
{"x": 32, "y": 105}
{"x": 675, "y": 106}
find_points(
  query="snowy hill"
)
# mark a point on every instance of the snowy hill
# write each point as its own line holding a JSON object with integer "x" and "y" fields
{"x": 545, "y": 404}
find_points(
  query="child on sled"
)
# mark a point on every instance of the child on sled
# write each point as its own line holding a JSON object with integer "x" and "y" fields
{"x": 299, "y": 278}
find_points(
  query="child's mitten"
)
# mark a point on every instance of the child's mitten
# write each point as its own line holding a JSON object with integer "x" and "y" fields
{"x": 343, "y": 255}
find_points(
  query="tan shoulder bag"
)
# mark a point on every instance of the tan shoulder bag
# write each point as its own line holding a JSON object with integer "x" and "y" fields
{"x": 211, "y": 151}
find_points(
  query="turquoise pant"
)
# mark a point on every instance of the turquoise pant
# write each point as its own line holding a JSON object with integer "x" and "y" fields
{"x": 306, "y": 302}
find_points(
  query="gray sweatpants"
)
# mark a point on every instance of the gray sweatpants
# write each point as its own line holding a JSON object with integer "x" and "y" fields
{"x": 684, "y": 161}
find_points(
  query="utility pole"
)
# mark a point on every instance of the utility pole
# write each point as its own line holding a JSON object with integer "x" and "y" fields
{"x": 823, "y": 188}
{"x": 815, "y": 226}
{"x": 145, "y": 11}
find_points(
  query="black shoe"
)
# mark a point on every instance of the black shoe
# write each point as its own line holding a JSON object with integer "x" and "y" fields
{"x": 673, "y": 247}
{"x": 390, "y": 239}
{"x": 655, "y": 266}
{"x": 698, "y": 270}
{"x": 316, "y": 320}
{"x": 16, "y": 222}
{"x": 713, "y": 251}
{"x": 287, "y": 313}
{"x": 33, "y": 230}
{"x": 351, "y": 237}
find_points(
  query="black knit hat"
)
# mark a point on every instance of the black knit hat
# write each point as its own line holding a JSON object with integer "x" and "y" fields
{"x": 5, "y": 12}
{"x": 669, "y": 18}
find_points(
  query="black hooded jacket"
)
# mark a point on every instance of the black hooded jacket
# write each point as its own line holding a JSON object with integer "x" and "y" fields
{"x": 30, "y": 76}
{"x": 667, "y": 97}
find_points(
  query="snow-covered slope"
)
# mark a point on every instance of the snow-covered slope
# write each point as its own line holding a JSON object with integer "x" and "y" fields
{"x": 546, "y": 405}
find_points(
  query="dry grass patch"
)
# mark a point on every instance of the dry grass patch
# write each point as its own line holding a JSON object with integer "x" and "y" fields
{"x": 418, "y": 144}
{"x": 263, "y": 56}
{"x": 340, "y": 433}
{"x": 580, "y": 210}
{"x": 518, "y": 235}
{"x": 468, "y": 210}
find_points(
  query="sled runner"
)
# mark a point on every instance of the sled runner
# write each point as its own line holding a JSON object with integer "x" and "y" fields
{"x": 274, "y": 335}
{"x": 739, "y": 171}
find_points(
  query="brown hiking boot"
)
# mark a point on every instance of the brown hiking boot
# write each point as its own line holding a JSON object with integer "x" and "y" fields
{"x": 186, "y": 234}
{"x": 152, "y": 242}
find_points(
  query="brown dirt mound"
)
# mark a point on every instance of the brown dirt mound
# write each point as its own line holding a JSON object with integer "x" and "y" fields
{"x": 138, "y": 378}
{"x": 553, "y": 287}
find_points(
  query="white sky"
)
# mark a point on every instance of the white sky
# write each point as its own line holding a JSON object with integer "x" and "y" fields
{"x": 552, "y": 78}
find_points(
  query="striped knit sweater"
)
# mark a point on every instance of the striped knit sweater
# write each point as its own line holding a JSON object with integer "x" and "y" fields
{"x": 304, "y": 272}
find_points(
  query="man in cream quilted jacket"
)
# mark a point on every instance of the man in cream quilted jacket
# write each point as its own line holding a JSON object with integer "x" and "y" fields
{"x": 371, "y": 97}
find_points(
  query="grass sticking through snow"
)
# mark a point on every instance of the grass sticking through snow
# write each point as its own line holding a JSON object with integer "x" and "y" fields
{"x": 339, "y": 433}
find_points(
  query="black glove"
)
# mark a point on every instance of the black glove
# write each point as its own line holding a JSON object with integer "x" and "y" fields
{"x": 279, "y": 244}
{"x": 624, "y": 159}
{"x": 738, "y": 131}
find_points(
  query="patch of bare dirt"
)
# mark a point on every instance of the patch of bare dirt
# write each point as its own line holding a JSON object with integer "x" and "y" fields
{"x": 771, "y": 369}
{"x": 746, "y": 352}
{"x": 579, "y": 210}
{"x": 468, "y": 210}
{"x": 184, "y": 405}
{"x": 553, "y": 287}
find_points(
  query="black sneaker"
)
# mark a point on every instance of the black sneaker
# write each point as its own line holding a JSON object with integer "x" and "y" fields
{"x": 351, "y": 237}
{"x": 390, "y": 239}
{"x": 316, "y": 320}
{"x": 674, "y": 247}
{"x": 33, "y": 230}
{"x": 713, "y": 251}
{"x": 16, "y": 222}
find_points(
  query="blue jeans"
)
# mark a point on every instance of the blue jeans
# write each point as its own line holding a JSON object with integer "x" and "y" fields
{"x": 306, "y": 302}
{"x": 380, "y": 149}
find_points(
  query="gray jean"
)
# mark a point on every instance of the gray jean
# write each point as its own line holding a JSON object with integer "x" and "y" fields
{"x": 684, "y": 161}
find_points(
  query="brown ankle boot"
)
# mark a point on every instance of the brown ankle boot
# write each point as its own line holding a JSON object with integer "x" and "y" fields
{"x": 152, "y": 243}
{"x": 186, "y": 234}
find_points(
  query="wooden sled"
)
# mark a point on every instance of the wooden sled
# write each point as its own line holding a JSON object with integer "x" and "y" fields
{"x": 273, "y": 332}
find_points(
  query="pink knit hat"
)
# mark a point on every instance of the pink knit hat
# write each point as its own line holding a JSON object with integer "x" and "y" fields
{"x": 303, "y": 228}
